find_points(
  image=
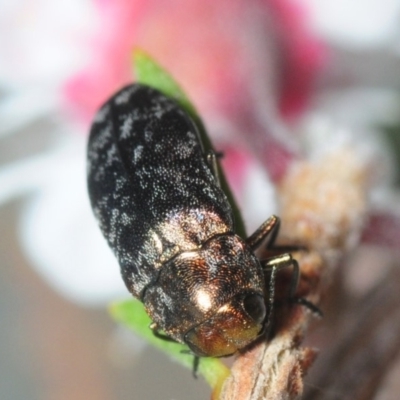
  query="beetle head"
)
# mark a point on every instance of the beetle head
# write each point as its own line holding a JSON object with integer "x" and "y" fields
{"x": 212, "y": 298}
{"x": 235, "y": 282}
{"x": 235, "y": 325}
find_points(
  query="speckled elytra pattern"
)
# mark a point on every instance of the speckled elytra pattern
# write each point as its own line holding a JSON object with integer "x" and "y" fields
{"x": 146, "y": 172}
{"x": 163, "y": 213}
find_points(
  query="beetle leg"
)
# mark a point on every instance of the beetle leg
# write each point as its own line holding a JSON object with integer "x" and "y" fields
{"x": 308, "y": 304}
{"x": 212, "y": 162}
{"x": 196, "y": 362}
{"x": 270, "y": 227}
{"x": 156, "y": 332}
{"x": 276, "y": 263}
{"x": 196, "y": 359}
{"x": 273, "y": 267}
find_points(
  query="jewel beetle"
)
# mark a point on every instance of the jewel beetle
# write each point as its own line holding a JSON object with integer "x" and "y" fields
{"x": 155, "y": 193}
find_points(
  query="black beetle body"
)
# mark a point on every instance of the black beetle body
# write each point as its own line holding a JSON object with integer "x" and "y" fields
{"x": 170, "y": 225}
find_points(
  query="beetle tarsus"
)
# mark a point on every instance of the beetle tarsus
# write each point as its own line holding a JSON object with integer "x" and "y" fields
{"x": 196, "y": 363}
{"x": 308, "y": 304}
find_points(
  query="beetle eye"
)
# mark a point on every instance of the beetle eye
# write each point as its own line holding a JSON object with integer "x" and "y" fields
{"x": 255, "y": 307}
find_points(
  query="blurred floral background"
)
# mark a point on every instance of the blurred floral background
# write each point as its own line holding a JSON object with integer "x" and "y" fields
{"x": 276, "y": 81}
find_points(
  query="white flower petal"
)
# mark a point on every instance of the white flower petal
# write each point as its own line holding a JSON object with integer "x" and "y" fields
{"x": 60, "y": 235}
{"x": 356, "y": 23}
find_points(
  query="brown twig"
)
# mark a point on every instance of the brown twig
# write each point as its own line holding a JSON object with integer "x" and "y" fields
{"x": 369, "y": 342}
{"x": 323, "y": 207}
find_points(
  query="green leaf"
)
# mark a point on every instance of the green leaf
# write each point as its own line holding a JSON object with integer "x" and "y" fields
{"x": 132, "y": 314}
{"x": 148, "y": 72}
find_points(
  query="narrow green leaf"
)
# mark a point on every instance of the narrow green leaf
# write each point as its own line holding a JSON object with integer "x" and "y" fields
{"x": 148, "y": 72}
{"x": 132, "y": 314}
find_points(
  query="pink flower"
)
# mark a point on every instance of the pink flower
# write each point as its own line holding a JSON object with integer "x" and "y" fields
{"x": 217, "y": 50}
{"x": 238, "y": 63}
